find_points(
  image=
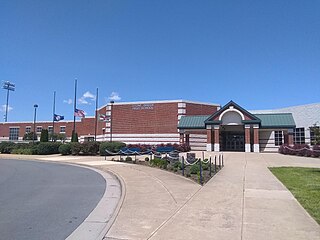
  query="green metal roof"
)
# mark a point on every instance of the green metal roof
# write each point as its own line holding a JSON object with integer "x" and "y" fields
{"x": 276, "y": 120}
{"x": 272, "y": 120}
{"x": 194, "y": 122}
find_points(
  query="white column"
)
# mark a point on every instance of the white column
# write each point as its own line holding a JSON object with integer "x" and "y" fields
{"x": 217, "y": 138}
{"x": 247, "y": 138}
{"x": 256, "y": 146}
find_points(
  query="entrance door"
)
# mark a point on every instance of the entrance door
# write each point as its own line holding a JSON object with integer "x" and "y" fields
{"x": 232, "y": 141}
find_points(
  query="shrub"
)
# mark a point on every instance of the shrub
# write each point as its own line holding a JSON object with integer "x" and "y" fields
{"x": 30, "y": 136}
{"x": 24, "y": 151}
{"x": 158, "y": 162}
{"x": 110, "y": 146}
{"x": 194, "y": 169}
{"x": 65, "y": 149}
{"x": 44, "y": 137}
{"x": 128, "y": 159}
{"x": 316, "y": 150}
{"x": 6, "y": 147}
{"x": 75, "y": 148}
{"x": 146, "y": 159}
{"x": 90, "y": 148}
{"x": 45, "y": 148}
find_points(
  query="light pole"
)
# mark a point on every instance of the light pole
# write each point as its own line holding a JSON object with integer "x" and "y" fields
{"x": 34, "y": 122}
{"x": 111, "y": 113}
{"x": 9, "y": 87}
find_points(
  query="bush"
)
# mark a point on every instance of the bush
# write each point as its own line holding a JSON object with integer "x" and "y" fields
{"x": 45, "y": 148}
{"x": 158, "y": 162}
{"x": 90, "y": 148}
{"x": 146, "y": 159}
{"x": 6, "y": 147}
{"x": 110, "y": 146}
{"x": 75, "y": 148}
{"x": 195, "y": 169}
{"x": 30, "y": 136}
{"x": 24, "y": 151}
{"x": 65, "y": 149}
{"x": 128, "y": 159}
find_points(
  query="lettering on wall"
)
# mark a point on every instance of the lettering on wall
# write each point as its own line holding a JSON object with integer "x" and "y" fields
{"x": 143, "y": 106}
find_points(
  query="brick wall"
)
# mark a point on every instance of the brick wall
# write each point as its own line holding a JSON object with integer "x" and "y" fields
{"x": 144, "y": 119}
{"x": 200, "y": 109}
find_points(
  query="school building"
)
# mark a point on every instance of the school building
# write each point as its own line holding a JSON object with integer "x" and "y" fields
{"x": 203, "y": 126}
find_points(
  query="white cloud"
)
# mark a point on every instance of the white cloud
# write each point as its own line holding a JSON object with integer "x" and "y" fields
{"x": 115, "y": 96}
{"x": 85, "y": 97}
{"x": 89, "y": 95}
{"x": 3, "y": 108}
{"x": 69, "y": 101}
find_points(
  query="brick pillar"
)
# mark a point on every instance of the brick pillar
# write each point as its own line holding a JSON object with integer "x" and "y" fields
{"x": 217, "y": 138}
{"x": 181, "y": 138}
{"x": 256, "y": 146}
{"x": 247, "y": 138}
{"x": 290, "y": 136}
{"x": 209, "y": 138}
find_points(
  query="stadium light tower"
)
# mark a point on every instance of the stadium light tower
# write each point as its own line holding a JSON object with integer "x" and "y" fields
{"x": 9, "y": 87}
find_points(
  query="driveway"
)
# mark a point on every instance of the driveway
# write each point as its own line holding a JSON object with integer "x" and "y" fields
{"x": 41, "y": 200}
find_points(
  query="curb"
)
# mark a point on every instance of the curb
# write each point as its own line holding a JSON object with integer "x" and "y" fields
{"x": 102, "y": 217}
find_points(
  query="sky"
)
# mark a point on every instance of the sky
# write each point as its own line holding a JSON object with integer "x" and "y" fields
{"x": 260, "y": 54}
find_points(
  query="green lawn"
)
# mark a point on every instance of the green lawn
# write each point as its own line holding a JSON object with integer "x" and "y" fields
{"x": 304, "y": 184}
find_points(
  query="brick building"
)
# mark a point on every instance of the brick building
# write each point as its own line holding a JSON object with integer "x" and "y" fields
{"x": 203, "y": 126}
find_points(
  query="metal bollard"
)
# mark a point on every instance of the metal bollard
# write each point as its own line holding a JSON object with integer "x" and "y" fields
{"x": 200, "y": 171}
{"x": 215, "y": 164}
{"x": 210, "y": 167}
{"x": 219, "y": 161}
{"x": 182, "y": 165}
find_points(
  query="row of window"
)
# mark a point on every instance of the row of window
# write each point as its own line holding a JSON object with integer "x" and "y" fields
{"x": 298, "y": 136}
{"x": 50, "y": 129}
{"x": 14, "y": 131}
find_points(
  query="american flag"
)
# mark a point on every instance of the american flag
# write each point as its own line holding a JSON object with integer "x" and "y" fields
{"x": 79, "y": 113}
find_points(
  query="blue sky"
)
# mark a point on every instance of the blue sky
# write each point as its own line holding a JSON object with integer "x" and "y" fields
{"x": 261, "y": 54}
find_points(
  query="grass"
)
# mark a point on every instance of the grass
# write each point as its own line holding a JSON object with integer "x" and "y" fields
{"x": 304, "y": 184}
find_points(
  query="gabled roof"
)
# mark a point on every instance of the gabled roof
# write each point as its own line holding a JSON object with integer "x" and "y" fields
{"x": 253, "y": 118}
{"x": 193, "y": 122}
{"x": 276, "y": 120}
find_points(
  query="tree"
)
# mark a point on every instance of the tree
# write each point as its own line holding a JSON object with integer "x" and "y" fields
{"x": 30, "y": 136}
{"x": 316, "y": 134}
{"x": 74, "y": 137}
{"x": 44, "y": 137}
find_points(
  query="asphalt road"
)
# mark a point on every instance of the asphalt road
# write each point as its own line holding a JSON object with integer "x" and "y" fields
{"x": 41, "y": 200}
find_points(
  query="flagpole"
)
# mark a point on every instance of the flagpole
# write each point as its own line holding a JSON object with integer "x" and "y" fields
{"x": 96, "y": 123}
{"x": 75, "y": 105}
{"x": 53, "y": 112}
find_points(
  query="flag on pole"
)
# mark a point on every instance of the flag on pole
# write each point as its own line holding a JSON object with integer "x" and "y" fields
{"x": 104, "y": 118}
{"x": 57, "y": 117}
{"x": 79, "y": 113}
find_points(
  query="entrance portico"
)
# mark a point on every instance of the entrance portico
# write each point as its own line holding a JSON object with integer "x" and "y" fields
{"x": 233, "y": 128}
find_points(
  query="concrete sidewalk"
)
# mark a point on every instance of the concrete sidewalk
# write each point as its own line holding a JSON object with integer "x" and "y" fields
{"x": 243, "y": 201}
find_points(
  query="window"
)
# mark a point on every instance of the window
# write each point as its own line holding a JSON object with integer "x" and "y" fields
{"x": 298, "y": 136}
{"x": 278, "y": 136}
{"x": 39, "y": 129}
{"x": 313, "y": 131}
{"x": 50, "y": 129}
{"x": 62, "y": 129}
{"x": 14, "y": 133}
{"x": 28, "y": 129}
